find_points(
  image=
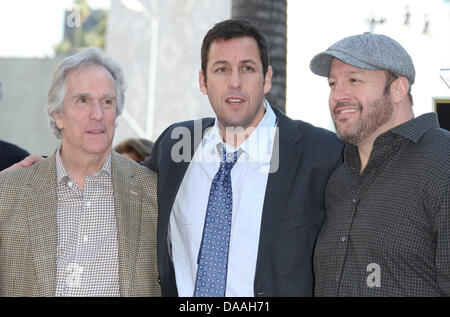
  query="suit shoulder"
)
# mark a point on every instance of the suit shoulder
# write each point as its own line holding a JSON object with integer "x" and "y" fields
{"x": 13, "y": 186}
{"x": 319, "y": 137}
{"x": 190, "y": 125}
{"x": 130, "y": 167}
{"x": 309, "y": 129}
{"x": 18, "y": 176}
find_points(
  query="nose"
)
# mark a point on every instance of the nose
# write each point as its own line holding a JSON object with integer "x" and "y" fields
{"x": 96, "y": 110}
{"x": 339, "y": 92}
{"x": 235, "y": 80}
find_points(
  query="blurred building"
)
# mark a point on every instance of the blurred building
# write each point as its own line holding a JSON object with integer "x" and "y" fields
{"x": 158, "y": 45}
{"x": 25, "y": 83}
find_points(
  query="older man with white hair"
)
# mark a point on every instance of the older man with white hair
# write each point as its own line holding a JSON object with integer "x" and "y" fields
{"x": 81, "y": 222}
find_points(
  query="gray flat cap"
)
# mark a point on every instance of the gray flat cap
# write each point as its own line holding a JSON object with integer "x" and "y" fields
{"x": 367, "y": 51}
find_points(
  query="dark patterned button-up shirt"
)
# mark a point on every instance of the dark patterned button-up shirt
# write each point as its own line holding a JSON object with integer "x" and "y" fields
{"x": 387, "y": 230}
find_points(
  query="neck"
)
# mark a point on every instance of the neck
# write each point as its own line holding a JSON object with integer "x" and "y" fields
{"x": 79, "y": 167}
{"x": 365, "y": 147}
{"x": 235, "y": 136}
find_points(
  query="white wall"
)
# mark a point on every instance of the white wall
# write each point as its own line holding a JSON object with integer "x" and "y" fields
{"x": 314, "y": 25}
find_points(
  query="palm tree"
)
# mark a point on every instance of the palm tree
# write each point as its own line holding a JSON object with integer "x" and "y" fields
{"x": 270, "y": 16}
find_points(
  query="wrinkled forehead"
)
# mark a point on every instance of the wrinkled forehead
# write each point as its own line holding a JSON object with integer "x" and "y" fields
{"x": 89, "y": 78}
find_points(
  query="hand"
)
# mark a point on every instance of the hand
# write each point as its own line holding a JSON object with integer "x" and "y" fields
{"x": 28, "y": 161}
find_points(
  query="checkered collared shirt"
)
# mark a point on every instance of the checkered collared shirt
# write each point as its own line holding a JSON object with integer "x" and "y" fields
{"x": 87, "y": 254}
{"x": 387, "y": 230}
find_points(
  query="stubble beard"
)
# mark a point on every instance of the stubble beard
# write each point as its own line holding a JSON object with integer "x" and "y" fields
{"x": 378, "y": 113}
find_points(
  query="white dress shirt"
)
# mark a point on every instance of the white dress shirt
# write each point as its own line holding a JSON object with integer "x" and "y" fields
{"x": 249, "y": 180}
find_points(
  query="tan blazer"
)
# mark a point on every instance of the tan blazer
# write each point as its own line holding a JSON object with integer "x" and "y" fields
{"x": 28, "y": 229}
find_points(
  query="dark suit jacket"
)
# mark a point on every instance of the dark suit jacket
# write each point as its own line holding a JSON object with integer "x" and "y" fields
{"x": 293, "y": 205}
{"x": 10, "y": 154}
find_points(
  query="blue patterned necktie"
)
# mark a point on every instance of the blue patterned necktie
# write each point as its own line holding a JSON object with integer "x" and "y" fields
{"x": 213, "y": 254}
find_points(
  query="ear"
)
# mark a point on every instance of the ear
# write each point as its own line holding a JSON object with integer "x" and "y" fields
{"x": 202, "y": 82}
{"x": 399, "y": 89}
{"x": 58, "y": 120}
{"x": 268, "y": 80}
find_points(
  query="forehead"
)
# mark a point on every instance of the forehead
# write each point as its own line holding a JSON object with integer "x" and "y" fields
{"x": 235, "y": 49}
{"x": 340, "y": 68}
{"x": 90, "y": 77}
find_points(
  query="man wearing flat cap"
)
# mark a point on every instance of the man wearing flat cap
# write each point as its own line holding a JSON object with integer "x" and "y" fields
{"x": 387, "y": 225}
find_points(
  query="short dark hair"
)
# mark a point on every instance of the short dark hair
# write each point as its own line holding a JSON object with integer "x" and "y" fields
{"x": 390, "y": 78}
{"x": 230, "y": 29}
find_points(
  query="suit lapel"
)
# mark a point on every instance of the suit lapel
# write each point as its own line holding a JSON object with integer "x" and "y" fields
{"x": 176, "y": 171}
{"x": 41, "y": 206}
{"x": 127, "y": 205}
{"x": 288, "y": 150}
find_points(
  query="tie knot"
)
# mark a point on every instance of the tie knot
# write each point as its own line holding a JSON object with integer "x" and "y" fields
{"x": 229, "y": 159}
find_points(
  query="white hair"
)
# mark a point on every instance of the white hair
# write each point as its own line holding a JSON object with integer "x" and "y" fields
{"x": 57, "y": 91}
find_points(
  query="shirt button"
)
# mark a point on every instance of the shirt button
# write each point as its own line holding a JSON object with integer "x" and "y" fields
{"x": 354, "y": 201}
{"x": 70, "y": 184}
{"x": 85, "y": 238}
{"x": 344, "y": 238}
{"x": 88, "y": 204}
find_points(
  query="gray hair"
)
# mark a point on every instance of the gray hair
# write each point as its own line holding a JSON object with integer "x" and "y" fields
{"x": 86, "y": 57}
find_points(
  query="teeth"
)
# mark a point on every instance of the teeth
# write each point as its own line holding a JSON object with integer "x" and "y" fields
{"x": 234, "y": 100}
{"x": 348, "y": 111}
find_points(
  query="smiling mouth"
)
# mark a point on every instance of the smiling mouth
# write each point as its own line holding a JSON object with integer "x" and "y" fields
{"x": 234, "y": 101}
{"x": 95, "y": 131}
{"x": 343, "y": 111}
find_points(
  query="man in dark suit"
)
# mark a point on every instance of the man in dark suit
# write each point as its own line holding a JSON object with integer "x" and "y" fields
{"x": 10, "y": 153}
{"x": 277, "y": 184}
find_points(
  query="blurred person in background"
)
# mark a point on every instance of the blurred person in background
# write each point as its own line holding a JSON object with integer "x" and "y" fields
{"x": 136, "y": 149}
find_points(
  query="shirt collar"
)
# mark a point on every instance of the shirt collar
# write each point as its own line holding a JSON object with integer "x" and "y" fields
{"x": 386, "y": 142}
{"x": 61, "y": 172}
{"x": 414, "y": 129}
{"x": 258, "y": 146}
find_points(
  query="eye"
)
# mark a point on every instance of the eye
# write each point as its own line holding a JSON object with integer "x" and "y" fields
{"x": 331, "y": 84}
{"x": 248, "y": 68}
{"x": 354, "y": 80}
{"x": 83, "y": 99}
{"x": 220, "y": 70}
{"x": 108, "y": 102}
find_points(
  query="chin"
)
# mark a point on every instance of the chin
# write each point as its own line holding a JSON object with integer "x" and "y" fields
{"x": 97, "y": 150}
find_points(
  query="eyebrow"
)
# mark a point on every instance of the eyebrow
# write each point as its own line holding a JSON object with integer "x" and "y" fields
{"x": 249, "y": 61}
{"x": 81, "y": 95}
{"x": 86, "y": 95}
{"x": 245, "y": 61}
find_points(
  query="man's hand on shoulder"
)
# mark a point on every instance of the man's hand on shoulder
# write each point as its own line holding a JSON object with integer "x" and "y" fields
{"x": 28, "y": 161}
